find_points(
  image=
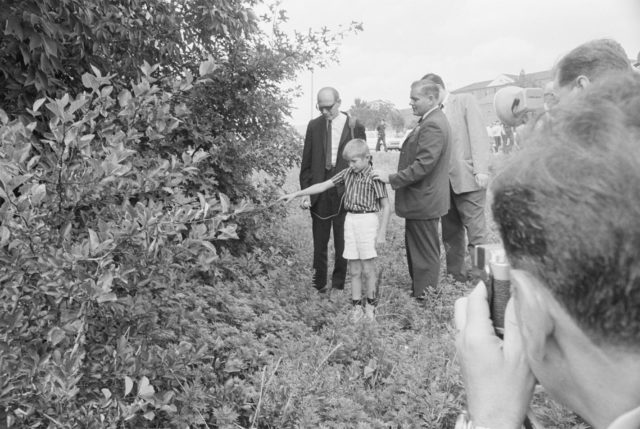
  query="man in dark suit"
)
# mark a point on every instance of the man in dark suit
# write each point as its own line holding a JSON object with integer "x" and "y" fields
{"x": 321, "y": 159}
{"x": 422, "y": 185}
{"x": 468, "y": 178}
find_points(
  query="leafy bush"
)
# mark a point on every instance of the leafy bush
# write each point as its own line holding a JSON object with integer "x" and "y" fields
{"x": 134, "y": 234}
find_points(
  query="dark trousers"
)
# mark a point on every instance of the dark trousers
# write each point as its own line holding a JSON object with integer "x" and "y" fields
{"x": 467, "y": 212}
{"x": 423, "y": 254}
{"x": 326, "y": 213}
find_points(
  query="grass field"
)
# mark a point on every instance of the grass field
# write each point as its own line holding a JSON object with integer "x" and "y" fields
{"x": 399, "y": 372}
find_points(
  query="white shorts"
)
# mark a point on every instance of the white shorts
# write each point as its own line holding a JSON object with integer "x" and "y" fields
{"x": 360, "y": 231}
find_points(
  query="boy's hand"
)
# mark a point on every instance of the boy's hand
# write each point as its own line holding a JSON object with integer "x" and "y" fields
{"x": 287, "y": 198}
{"x": 381, "y": 238}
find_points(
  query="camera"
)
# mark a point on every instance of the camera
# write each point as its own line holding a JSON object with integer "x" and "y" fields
{"x": 491, "y": 261}
{"x": 512, "y": 104}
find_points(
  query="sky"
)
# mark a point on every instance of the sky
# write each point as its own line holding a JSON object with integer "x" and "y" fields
{"x": 464, "y": 41}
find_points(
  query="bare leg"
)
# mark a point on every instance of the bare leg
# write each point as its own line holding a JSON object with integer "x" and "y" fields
{"x": 369, "y": 275}
{"x": 355, "y": 268}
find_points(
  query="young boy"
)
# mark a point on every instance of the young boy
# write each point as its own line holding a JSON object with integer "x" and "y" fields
{"x": 363, "y": 198}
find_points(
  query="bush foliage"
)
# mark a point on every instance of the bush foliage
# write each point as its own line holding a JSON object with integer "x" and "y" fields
{"x": 133, "y": 139}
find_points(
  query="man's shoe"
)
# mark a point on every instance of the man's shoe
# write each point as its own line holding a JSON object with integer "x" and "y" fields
{"x": 323, "y": 290}
{"x": 460, "y": 277}
{"x": 356, "y": 314}
{"x": 422, "y": 298}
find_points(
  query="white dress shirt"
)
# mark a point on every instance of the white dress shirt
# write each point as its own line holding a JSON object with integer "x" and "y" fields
{"x": 337, "y": 126}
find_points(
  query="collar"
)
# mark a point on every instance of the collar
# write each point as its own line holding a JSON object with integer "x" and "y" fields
{"x": 368, "y": 169}
{"x": 437, "y": 106}
{"x": 337, "y": 118}
{"x": 629, "y": 420}
{"x": 445, "y": 100}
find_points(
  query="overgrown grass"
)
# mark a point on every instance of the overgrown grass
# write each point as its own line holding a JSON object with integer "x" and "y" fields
{"x": 399, "y": 372}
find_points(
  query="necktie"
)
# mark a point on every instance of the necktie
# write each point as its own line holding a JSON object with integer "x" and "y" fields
{"x": 327, "y": 146}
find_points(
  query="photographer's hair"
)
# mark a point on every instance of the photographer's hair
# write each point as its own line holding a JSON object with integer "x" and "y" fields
{"x": 568, "y": 209}
{"x": 434, "y": 78}
{"x": 426, "y": 87}
{"x": 592, "y": 59}
{"x": 355, "y": 148}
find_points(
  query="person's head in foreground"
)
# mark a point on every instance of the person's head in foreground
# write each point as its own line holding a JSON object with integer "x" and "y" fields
{"x": 568, "y": 210}
{"x": 356, "y": 153}
{"x": 588, "y": 63}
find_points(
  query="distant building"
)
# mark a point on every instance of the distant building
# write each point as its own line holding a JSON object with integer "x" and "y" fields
{"x": 485, "y": 90}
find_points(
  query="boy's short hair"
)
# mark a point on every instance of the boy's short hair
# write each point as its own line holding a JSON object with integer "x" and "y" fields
{"x": 355, "y": 148}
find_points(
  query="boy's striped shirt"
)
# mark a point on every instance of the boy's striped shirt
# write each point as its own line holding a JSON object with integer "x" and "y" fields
{"x": 362, "y": 192}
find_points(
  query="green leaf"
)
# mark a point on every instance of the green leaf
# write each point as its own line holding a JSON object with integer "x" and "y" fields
{"x": 199, "y": 156}
{"x": 96, "y": 71}
{"x": 105, "y": 281}
{"x": 128, "y": 385}
{"x": 5, "y": 235}
{"x": 55, "y": 335}
{"x": 106, "y": 393}
{"x": 38, "y": 103}
{"x": 94, "y": 241}
{"x": 228, "y": 233}
{"x": 207, "y": 67}
{"x": 124, "y": 97}
{"x": 169, "y": 408}
{"x": 107, "y": 297}
{"x": 145, "y": 390}
{"x": 38, "y": 193}
{"x": 90, "y": 81}
{"x": 225, "y": 203}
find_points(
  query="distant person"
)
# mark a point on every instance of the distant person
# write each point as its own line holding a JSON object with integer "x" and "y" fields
{"x": 567, "y": 207}
{"x": 549, "y": 96}
{"x": 495, "y": 131}
{"x": 321, "y": 160}
{"x": 588, "y": 63}
{"x": 382, "y": 140}
{"x": 506, "y": 132}
{"x": 468, "y": 178}
{"x": 363, "y": 198}
{"x": 422, "y": 186}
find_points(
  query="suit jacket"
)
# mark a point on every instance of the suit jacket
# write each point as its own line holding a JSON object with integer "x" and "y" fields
{"x": 469, "y": 142}
{"x": 422, "y": 180}
{"x": 312, "y": 168}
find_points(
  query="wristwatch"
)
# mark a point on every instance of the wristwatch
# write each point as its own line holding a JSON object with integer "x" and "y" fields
{"x": 464, "y": 422}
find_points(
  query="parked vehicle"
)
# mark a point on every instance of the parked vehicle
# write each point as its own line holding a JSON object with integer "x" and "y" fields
{"x": 395, "y": 140}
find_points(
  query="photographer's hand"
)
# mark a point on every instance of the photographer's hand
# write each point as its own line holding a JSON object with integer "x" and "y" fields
{"x": 497, "y": 378}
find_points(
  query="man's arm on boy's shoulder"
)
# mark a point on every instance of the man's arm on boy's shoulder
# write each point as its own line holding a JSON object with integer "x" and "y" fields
{"x": 386, "y": 214}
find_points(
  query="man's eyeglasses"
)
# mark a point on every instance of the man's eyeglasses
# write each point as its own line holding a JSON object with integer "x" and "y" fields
{"x": 327, "y": 108}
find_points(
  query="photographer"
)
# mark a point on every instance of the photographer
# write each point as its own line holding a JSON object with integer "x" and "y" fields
{"x": 568, "y": 210}
{"x": 587, "y": 63}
